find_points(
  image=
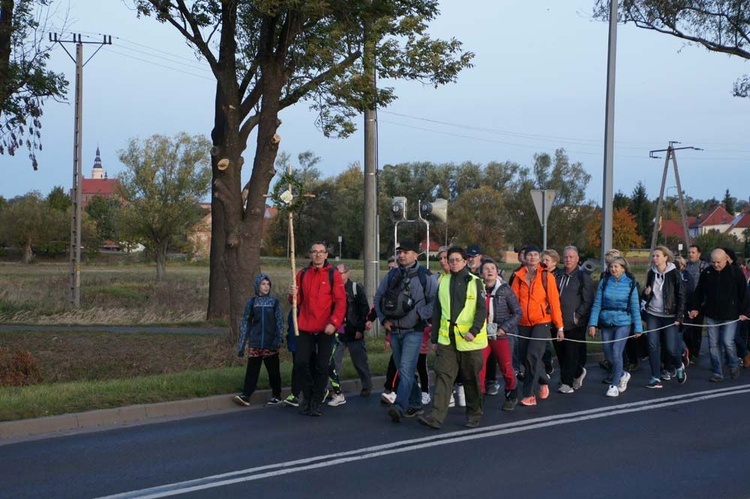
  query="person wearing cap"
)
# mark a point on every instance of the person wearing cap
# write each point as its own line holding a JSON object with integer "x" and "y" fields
{"x": 403, "y": 303}
{"x": 537, "y": 293}
{"x": 474, "y": 254}
{"x": 459, "y": 331}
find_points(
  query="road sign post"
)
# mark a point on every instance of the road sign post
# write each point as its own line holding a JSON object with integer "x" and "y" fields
{"x": 543, "y": 200}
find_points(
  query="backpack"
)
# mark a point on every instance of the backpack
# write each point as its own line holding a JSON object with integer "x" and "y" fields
{"x": 397, "y": 301}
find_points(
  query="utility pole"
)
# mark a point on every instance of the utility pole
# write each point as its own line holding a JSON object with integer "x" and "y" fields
{"x": 670, "y": 150}
{"x": 371, "y": 248}
{"x": 77, "y": 197}
{"x": 609, "y": 134}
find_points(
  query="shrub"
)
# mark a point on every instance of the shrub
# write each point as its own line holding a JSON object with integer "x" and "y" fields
{"x": 18, "y": 368}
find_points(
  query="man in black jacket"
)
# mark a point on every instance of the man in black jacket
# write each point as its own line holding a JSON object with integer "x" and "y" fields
{"x": 355, "y": 325}
{"x": 720, "y": 296}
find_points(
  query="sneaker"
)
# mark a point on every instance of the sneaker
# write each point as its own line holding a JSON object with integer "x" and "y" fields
{"x": 734, "y": 372}
{"x": 395, "y": 414}
{"x": 413, "y": 411}
{"x": 429, "y": 421}
{"x": 426, "y": 398}
{"x": 452, "y": 401}
{"x": 681, "y": 375}
{"x": 493, "y": 388}
{"x": 716, "y": 378}
{"x": 543, "y": 391}
{"x": 623, "y": 384}
{"x": 666, "y": 375}
{"x": 472, "y": 423}
{"x": 612, "y": 391}
{"x": 242, "y": 400}
{"x": 460, "y": 396}
{"x": 510, "y": 404}
{"x": 338, "y": 399}
{"x": 315, "y": 410}
{"x": 578, "y": 382}
{"x": 292, "y": 401}
{"x": 654, "y": 383}
{"x": 388, "y": 398}
{"x": 528, "y": 401}
{"x": 565, "y": 389}
{"x": 275, "y": 401}
{"x": 365, "y": 392}
{"x": 633, "y": 366}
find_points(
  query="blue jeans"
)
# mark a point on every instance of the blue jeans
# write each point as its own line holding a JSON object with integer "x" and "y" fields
{"x": 405, "y": 347}
{"x": 672, "y": 343}
{"x": 719, "y": 336}
{"x": 613, "y": 351}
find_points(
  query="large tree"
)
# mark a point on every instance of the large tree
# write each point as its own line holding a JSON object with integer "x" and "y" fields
{"x": 719, "y": 25}
{"x": 161, "y": 188}
{"x": 25, "y": 81}
{"x": 267, "y": 55}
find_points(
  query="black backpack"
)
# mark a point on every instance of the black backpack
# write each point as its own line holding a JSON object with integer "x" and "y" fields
{"x": 397, "y": 301}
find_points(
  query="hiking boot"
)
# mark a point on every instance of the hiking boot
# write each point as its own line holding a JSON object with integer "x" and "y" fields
{"x": 578, "y": 382}
{"x": 291, "y": 401}
{"x": 338, "y": 399}
{"x": 395, "y": 414}
{"x": 274, "y": 401}
{"x": 510, "y": 404}
{"x": 430, "y": 422}
{"x": 242, "y": 400}
{"x": 413, "y": 412}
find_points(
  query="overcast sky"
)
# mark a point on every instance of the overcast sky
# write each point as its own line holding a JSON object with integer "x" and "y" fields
{"x": 538, "y": 83}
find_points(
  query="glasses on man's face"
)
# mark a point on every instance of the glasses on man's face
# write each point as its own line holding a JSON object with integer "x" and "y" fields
{"x": 455, "y": 260}
{"x": 318, "y": 252}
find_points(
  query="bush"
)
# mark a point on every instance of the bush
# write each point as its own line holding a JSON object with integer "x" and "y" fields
{"x": 18, "y": 368}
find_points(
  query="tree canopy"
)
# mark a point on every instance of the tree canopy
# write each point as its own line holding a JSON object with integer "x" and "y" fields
{"x": 25, "y": 80}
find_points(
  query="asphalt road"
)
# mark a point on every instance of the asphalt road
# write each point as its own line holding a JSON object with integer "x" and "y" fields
{"x": 681, "y": 441}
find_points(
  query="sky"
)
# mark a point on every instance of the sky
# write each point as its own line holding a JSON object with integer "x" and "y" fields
{"x": 538, "y": 84}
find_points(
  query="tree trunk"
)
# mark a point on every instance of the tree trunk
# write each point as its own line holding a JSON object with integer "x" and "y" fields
{"x": 160, "y": 255}
{"x": 28, "y": 253}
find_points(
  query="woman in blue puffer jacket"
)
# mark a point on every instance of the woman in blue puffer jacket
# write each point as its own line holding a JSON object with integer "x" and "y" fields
{"x": 260, "y": 335}
{"x": 615, "y": 311}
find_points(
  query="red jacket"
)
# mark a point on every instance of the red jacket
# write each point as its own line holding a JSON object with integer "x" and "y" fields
{"x": 538, "y": 307}
{"x": 320, "y": 302}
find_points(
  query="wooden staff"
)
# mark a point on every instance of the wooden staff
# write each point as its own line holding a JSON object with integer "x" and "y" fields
{"x": 294, "y": 263}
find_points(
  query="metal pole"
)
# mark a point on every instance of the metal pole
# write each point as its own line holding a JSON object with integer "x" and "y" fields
{"x": 75, "y": 224}
{"x": 370, "y": 250}
{"x": 609, "y": 133}
{"x": 544, "y": 220}
{"x": 683, "y": 215}
{"x": 659, "y": 204}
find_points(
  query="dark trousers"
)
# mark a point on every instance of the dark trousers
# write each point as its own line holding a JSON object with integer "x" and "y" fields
{"x": 532, "y": 351}
{"x": 391, "y": 376}
{"x": 358, "y": 353}
{"x": 448, "y": 363}
{"x": 253, "y": 371}
{"x": 693, "y": 335}
{"x": 567, "y": 354}
{"x": 313, "y": 372}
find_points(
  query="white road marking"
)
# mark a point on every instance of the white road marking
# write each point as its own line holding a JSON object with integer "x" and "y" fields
{"x": 323, "y": 461}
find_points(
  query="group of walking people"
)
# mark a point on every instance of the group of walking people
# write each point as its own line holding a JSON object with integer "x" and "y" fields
{"x": 480, "y": 326}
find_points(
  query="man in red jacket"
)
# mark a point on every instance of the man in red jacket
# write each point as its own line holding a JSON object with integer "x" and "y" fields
{"x": 321, "y": 300}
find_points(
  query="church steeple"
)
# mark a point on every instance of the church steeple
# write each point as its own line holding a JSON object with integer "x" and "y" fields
{"x": 98, "y": 171}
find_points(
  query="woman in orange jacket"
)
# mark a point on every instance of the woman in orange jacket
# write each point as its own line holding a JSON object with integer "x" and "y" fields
{"x": 537, "y": 293}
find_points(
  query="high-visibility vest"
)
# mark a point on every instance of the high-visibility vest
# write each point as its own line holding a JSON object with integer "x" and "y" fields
{"x": 465, "y": 319}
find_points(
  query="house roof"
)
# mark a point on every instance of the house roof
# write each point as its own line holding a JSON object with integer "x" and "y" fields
{"x": 719, "y": 216}
{"x": 98, "y": 186}
{"x": 741, "y": 221}
{"x": 671, "y": 228}
{"x": 434, "y": 246}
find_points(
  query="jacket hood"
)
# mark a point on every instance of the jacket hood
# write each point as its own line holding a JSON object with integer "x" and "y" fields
{"x": 258, "y": 280}
{"x": 670, "y": 267}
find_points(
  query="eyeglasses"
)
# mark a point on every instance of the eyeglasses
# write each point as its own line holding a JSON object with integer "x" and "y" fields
{"x": 318, "y": 252}
{"x": 455, "y": 260}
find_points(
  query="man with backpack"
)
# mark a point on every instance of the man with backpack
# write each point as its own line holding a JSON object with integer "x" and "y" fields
{"x": 403, "y": 304}
{"x": 322, "y": 305}
{"x": 693, "y": 335}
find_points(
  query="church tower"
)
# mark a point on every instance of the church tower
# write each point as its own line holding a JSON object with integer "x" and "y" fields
{"x": 97, "y": 172}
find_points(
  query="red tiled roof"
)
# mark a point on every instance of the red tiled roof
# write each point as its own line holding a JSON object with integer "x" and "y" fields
{"x": 98, "y": 186}
{"x": 671, "y": 228}
{"x": 742, "y": 221}
{"x": 719, "y": 216}
{"x": 433, "y": 245}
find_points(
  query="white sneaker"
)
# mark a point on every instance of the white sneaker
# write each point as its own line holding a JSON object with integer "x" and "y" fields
{"x": 623, "y": 385}
{"x": 612, "y": 391}
{"x": 460, "y": 396}
{"x": 425, "y": 398}
{"x": 565, "y": 389}
{"x": 388, "y": 397}
{"x": 338, "y": 399}
{"x": 578, "y": 382}
{"x": 452, "y": 402}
